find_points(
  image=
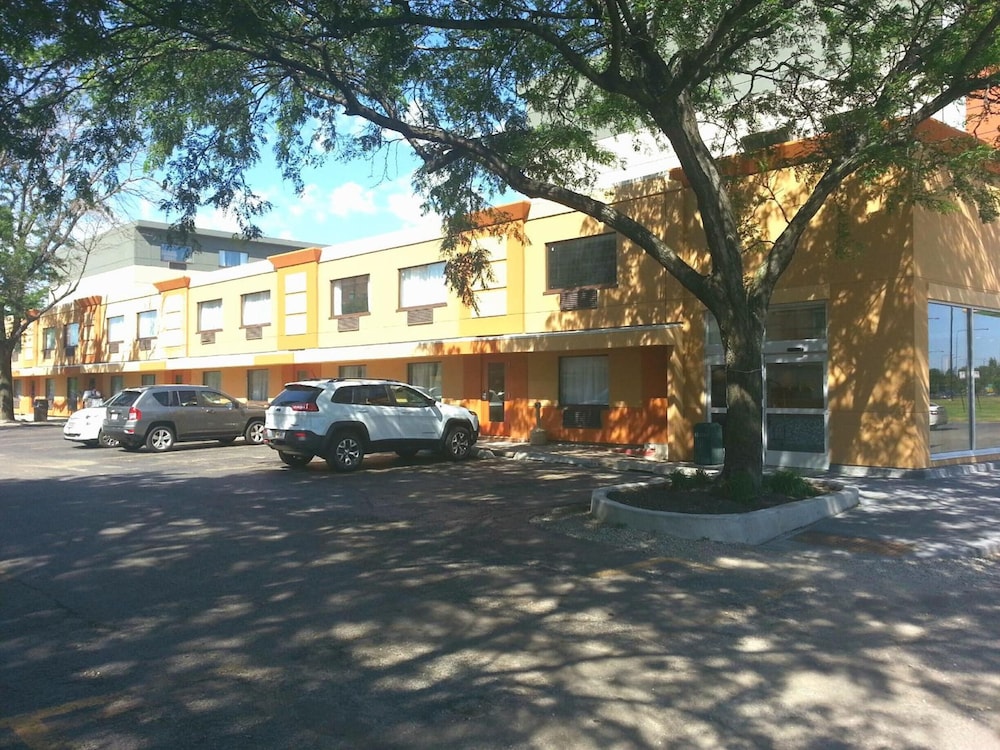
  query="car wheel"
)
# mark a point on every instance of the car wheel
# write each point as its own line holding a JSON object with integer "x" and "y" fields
{"x": 407, "y": 452}
{"x": 254, "y": 433}
{"x": 106, "y": 441}
{"x": 160, "y": 439}
{"x": 346, "y": 452}
{"x": 294, "y": 460}
{"x": 458, "y": 443}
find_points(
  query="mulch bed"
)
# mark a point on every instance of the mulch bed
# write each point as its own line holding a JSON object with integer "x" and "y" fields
{"x": 693, "y": 500}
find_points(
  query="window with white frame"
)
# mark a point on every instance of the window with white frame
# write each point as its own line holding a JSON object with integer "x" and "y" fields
{"x": 425, "y": 375}
{"x": 422, "y": 286}
{"x": 350, "y": 295}
{"x": 210, "y": 315}
{"x": 583, "y": 381}
{"x": 256, "y": 309}
{"x": 582, "y": 262}
{"x": 228, "y": 258}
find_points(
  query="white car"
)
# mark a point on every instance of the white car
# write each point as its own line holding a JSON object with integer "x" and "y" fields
{"x": 939, "y": 416}
{"x": 84, "y": 426}
{"x": 342, "y": 420}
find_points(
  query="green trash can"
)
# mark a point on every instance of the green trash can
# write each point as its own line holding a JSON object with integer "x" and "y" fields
{"x": 41, "y": 412}
{"x": 708, "y": 450}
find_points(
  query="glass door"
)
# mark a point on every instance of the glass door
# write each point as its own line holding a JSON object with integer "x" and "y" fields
{"x": 496, "y": 390}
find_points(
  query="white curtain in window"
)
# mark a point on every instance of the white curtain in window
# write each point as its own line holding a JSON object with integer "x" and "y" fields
{"x": 256, "y": 309}
{"x": 210, "y": 315}
{"x": 116, "y": 328}
{"x": 583, "y": 380}
{"x": 257, "y": 385}
{"x": 147, "y": 324}
{"x": 422, "y": 285}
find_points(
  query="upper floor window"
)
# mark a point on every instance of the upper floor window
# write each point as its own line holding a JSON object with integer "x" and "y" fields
{"x": 582, "y": 262}
{"x": 116, "y": 328}
{"x": 229, "y": 258}
{"x": 210, "y": 315}
{"x": 147, "y": 324}
{"x": 48, "y": 341}
{"x": 350, "y": 295}
{"x": 175, "y": 253}
{"x": 422, "y": 286}
{"x": 72, "y": 334}
{"x": 255, "y": 309}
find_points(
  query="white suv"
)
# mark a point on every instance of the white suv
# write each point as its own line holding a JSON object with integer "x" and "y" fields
{"x": 343, "y": 419}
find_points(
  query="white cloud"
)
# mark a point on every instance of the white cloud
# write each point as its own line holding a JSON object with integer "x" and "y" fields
{"x": 350, "y": 199}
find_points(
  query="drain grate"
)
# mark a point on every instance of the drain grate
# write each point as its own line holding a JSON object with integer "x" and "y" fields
{"x": 855, "y": 543}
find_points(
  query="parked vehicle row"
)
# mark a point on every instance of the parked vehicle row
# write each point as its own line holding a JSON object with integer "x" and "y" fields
{"x": 340, "y": 420}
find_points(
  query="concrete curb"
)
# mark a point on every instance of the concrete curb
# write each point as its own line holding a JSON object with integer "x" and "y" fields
{"x": 754, "y": 527}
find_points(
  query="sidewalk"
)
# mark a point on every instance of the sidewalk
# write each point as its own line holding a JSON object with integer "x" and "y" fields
{"x": 948, "y": 513}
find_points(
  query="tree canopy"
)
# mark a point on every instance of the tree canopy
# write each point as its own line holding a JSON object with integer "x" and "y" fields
{"x": 498, "y": 94}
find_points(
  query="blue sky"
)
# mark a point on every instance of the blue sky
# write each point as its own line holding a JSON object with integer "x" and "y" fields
{"x": 341, "y": 202}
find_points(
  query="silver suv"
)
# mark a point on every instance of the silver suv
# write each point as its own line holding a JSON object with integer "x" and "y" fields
{"x": 343, "y": 419}
{"x": 158, "y": 416}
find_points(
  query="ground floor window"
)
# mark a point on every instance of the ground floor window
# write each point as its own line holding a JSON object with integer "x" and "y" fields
{"x": 212, "y": 378}
{"x": 147, "y": 380}
{"x": 964, "y": 378}
{"x": 583, "y": 380}
{"x": 257, "y": 385}
{"x": 426, "y": 375}
{"x": 354, "y": 371}
{"x": 117, "y": 384}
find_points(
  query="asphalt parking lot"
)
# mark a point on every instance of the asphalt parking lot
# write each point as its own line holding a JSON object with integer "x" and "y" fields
{"x": 211, "y": 597}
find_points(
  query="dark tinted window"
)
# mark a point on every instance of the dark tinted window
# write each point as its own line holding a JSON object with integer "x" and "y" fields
{"x": 188, "y": 398}
{"x": 165, "y": 398}
{"x": 125, "y": 398}
{"x": 296, "y": 394}
{"x": 349, "y": 394}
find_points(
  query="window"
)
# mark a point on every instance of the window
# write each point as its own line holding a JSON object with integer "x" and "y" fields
{"x": 72, "y": 392}
{"x": 257, "y": 385}
{"x": 212, "y": 378}
{"x": 72, "y": 334}
{"x": 48, "y": 342}
{"x": 422, "y": 286}
{"x": 583, "y": 380}
{"x": 353, "y": 371}
{"x": 116, "y": 329}
{"x": 229, "y": 258}
{"x": 350, "y": 296}
{"x": 149, "y": 379}
{"x": 255, "y": 309}
{"x": 210, "y": 315}
{"x": 117, "y": 383}
{"x": 583, "y": 262}
{"x": 426, "y": 375}
{"x": 174, "y": 253}
{"x": 147, "y": 324}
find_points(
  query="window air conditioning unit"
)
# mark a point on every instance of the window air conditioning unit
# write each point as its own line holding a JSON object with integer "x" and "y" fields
{"x": 114, "y": 347}
{"x": 145, "y": 345}
{"x": 419, "y": 317}
{"x": 578, "y": 299}
{"x": 254, "y": 333}
{"x": 208, "y": 337}
{"x": 352, "y": 323}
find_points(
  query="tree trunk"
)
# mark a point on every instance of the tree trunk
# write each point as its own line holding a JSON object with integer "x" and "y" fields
{"x": 743, "y": 344}
{"x": 6, "y": 384}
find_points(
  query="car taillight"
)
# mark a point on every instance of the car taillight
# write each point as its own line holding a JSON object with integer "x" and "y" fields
{"x": 134, "y": 414}
{"x": 305, "y": 406}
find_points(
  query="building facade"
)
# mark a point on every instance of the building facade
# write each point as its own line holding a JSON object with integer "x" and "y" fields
{"x": 582, "y": 334}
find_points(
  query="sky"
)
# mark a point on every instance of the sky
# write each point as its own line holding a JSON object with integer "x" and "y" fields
{"x": 341, "y": 202}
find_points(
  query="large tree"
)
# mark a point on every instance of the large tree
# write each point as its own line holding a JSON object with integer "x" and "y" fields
{"x": 63, "y": 162}
{"x": 498, "y": 94}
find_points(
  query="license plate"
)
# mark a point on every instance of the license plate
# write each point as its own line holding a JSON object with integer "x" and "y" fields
{"x": 276, "y": 434}
{"x": 114, "y": 417}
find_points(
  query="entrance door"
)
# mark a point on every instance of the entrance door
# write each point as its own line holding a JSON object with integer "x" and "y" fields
{"x": 795, "y": 426}
{"x": 496, "y": 389}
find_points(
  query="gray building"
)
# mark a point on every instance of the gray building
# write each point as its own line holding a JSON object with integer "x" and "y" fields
{"x": 155, "y": 244}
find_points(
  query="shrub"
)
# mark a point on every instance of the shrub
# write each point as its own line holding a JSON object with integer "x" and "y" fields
{"x": 788, "y": 483}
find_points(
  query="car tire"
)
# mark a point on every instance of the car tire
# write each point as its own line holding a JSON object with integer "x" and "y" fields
{"x": 458, "y": 443}
{"x": 160, "y": 439}
{"x": 254, "y": 433}
{"x": 295, "y": 460}
{"x": 106, "y": 441}
{"x": 346, "y": 452}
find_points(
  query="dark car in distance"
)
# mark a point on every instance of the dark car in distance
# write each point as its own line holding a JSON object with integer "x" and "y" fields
{"x": 158, "y": 416}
